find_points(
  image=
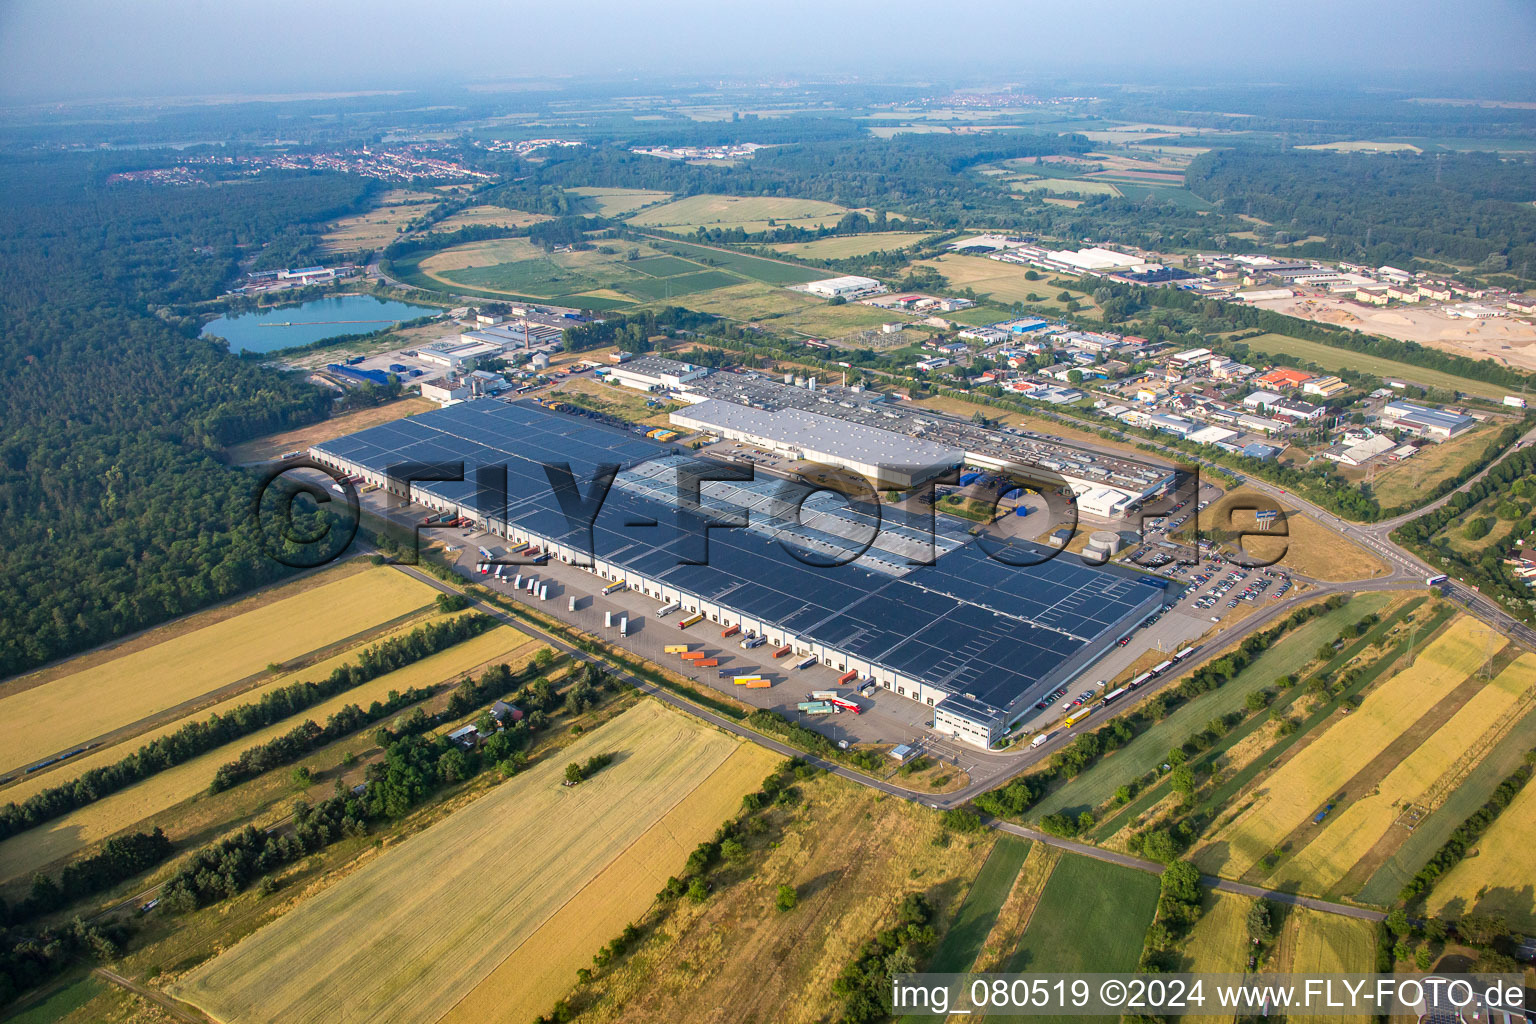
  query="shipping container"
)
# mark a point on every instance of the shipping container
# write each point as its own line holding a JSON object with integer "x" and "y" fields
{"x": 847, "y": 677}
{"x": 744, "y": 680}
{"x": 759, "y": 684}
{"x": 783, "y": 651}
{"x": 823, "y": 694}
{"x": 692, "y": 620}
{"x": 807, "y": 663}
{"x": 613, "y": 588}
{"x": 692, "y": 655}
{"x": 706, "y": 663}
{"x": 729, "y": 631}
{"x": 675, "y": 648}
{"x": 807, "y": 705}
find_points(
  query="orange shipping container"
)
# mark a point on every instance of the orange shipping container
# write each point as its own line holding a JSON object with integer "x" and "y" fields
{"x": 691, "y": 655}
{"x": 730, "y": 631}
{"x": 758, "y": 684}
{"x": 707, "y": 662}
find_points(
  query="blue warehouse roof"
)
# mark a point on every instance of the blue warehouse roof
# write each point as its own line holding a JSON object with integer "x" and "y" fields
{"x": 967, "y": 623}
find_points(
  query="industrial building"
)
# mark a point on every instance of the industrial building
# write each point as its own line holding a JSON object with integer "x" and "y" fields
{"x": 1421, "y": 419}
{"x": 849, "y": 287}
{"x": 1007, "y": 449}
{"x": 653, "y": 373}
{"x": 932, "y": 619}
{"x": 888, "y": 458}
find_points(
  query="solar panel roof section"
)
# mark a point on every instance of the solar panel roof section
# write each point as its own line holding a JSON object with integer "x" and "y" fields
{"x": 966, "y": 623}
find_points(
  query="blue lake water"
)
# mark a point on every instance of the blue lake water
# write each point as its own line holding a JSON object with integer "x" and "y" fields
{"x": 286, "y": 326}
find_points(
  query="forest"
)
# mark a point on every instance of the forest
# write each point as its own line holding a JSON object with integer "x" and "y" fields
{"x": 1468, "y": 209}
{"x": 115, "y": 511}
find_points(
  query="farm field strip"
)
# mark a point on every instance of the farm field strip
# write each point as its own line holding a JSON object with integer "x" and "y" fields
{"x": 1469, "y": 794}
{"x": 841, "y": 247}
{"x": 738, "y": 211}
{"x": 1092, "y": 916}
{"x": 539, "y": 971}
{"x": 615, "y": 202}
{"x": 1218, "y": 944}
{"x": 29, "y": 851}
{"x": 1350, "y": 834}
{"x": 1496, "y": 876}
{"x": 1115, "y": 821}
{"x": 76, "y": 767}
{"x": 964, "y": 940}
{"x": 1303, "y": 783}
{"x": 413, "y": 931}
{"x": 46, "y": 719}
{"x": 1149, "y": 749}
{"x": 1330, "y": 944}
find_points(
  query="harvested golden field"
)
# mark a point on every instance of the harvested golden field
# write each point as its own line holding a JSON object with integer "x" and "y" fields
{"x": 1218, "y": 944}
{"x": 381, "y": 225}
{"x": 1302, "y": 784}
{"x": 264, "y": 449}
{"x": 1495, "y": 877}
{"x": 1352, "y": 832}
{"x": 851, "y": 245}
{"x": 25, "y": 853}
{"x": 851, "y": 854}
{"x": 751, "y": 213}
{"x": 615, "y": 202}
{"x": 412, "y": 932}
{"x": 1401, "y": 485}
{"x": 1308, "y": 548}
{"x": 538, "y": 973}
{"x": 497, "y": 216}
{"x": 1322, "y": 943}
{"x": 74, "y": 708}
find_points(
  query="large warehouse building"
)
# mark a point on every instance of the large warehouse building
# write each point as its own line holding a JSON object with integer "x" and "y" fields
{"x": 888, "y": 458}
{"x": 973, "y": 637}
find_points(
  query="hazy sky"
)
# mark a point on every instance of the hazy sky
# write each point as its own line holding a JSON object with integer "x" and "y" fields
{"x": 105, "y": 48}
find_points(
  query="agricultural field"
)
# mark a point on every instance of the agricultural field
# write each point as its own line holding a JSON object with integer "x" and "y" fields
{"x": 1432, "y": 832}
{"x": 1064, "y": 186}
{"x": 1308, "y": 548}
{"x": 753, "y": 268}
{"x": 73, "y": 708}
{"x": 850, "y": 853}
{"x": 978, "y": 914}
{"x": 1092, "y": 916}
{"x": 1300, "y": 787}
{"x": 163, "y": 797}
{"x": 453, "y": 888}
{"x": 1005, "y": 283}
{"x": 616, "y": 202}
{"x": 750, "y": 213}
{"x": 1350, "y": 835}
{"x": 496, "y": 216}
{"x": 1314, "y": 942}
{"x": 1496, "y": 875}
{"x": 381, "y": 225}
{"x": 263, "y": 449}
{"x": 1405, "y": 484}
{"x": 1218, "y": 943}
{"x": 1335, "y": 359}
{"x": 1148, "y": 750}
{"x": 842, "y": 247}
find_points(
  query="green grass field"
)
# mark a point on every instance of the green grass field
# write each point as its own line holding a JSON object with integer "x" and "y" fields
{"x": 62, "y": 1003}
{"x": 755, "y": 268}
{"x": 1066, "y": 187}
{"x": 664, "y": 288}
{"x": 974, "y": 921}
{"x": 1330, "y": 358}
{"x": 1092, "y": 917}
{"x": 616, "y": 202}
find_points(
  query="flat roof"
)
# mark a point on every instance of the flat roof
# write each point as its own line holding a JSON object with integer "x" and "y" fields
{"x": 811, "y": 431}
{"x": 966, "y": 624}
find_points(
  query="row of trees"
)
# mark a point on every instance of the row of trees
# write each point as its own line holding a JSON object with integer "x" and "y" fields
{"x": 196, "y": 738}
{"x": 1013, "y": 799}
{"x": 119, "y": 859}
{"x": 1460, "y": 841}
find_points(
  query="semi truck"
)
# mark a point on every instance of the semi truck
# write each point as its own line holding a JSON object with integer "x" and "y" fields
{"x": 1039, "y": 740}
{"x": 613, "y": 588}
{"x": 667, "y": 609}
{"x": 815, "y": 707}
{"x": 1078, "y": 716}
{"x": 846, "y": 705}
{"x": 692, "y": 620}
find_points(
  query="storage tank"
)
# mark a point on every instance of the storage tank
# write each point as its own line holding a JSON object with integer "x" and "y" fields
{"x": 1107, "y": 540}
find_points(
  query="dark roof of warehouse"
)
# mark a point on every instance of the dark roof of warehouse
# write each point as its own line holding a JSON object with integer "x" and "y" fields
{"x": 968, "y": 623}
